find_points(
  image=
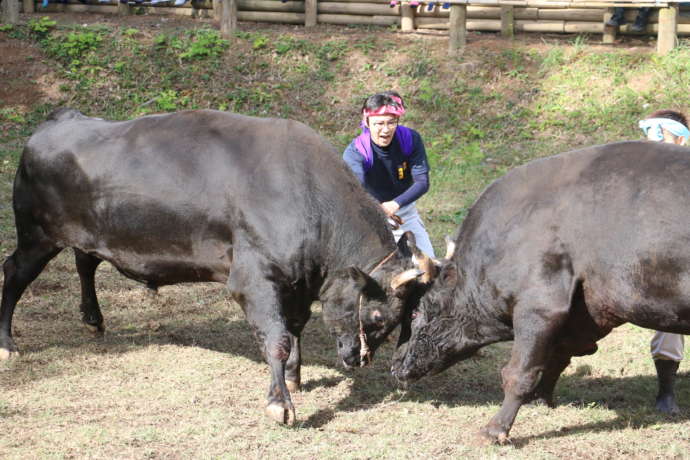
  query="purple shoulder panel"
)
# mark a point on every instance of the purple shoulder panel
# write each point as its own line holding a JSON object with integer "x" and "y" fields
{"x": 363, "y": 144}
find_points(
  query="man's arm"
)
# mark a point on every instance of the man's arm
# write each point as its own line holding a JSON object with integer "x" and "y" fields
{"x": 420, "y": 174}
{"x": 355, "y": 161}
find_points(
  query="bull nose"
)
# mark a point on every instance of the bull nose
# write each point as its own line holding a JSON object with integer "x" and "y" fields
{"x": 351, "y": 361}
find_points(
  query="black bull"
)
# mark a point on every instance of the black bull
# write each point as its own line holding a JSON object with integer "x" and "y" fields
{"x": 553, "y": 256}
{"x": 263, "y": 205}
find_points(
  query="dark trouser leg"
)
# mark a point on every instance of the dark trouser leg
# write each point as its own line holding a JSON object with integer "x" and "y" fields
{"x": 666, "y": 371}
{"x": 618, "y": 18}
{"x": 91, "y": 311}
{"x": 640, "y": 23}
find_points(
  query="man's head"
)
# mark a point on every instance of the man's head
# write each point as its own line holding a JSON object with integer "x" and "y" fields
{"x": 666, "y": 125}
{"x": 381, "y": 113}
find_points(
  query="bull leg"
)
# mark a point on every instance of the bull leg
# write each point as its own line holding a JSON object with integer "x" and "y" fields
{"x": 90, "y": 310}
{"x": 293, "y": 366}
{"x": 559, "y": 360}
{"x": 543, "y": 394}
{"x": 263, "y": 309}
{"x": 535, "y": 329}
{"x": 297, "y": 313}
{"x": 33, "y": 253}
{"x": 276, "y": 343}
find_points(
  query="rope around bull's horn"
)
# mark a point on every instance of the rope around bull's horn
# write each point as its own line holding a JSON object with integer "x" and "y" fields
{"x": 364, "y": 352}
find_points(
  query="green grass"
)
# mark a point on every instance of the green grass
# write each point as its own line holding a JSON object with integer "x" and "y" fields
{"x": 179, "y": 375}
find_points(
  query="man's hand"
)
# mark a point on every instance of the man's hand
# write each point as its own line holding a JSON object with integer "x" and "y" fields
{"x": 390, "y": 207}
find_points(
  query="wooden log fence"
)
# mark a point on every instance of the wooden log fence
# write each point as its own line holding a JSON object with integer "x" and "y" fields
{"x": 456, "y": 16}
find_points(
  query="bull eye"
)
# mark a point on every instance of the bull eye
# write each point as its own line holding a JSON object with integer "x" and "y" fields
{"x": 378, "y": 318}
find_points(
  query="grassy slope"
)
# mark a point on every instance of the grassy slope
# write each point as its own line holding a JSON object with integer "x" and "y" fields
{"x": 179, "y": 375}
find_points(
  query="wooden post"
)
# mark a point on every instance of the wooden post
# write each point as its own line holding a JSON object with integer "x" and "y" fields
{"x": 668, "y": 22}
{"x": 406, "y": 18}
{"x": 9, "y": 12}
{"x": 123, "y": 9}
{"x": 29, "y": 6}
{"x": 609, "y": 31}
{"x": 310, "y": 10}
{"x": 217, "y": 8}
{"x": 228, "y": 21}
{"x": 458, "y": 29}
{"x": 507, "y": 21}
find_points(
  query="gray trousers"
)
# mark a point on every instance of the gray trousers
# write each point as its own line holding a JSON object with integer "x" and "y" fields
{"x": 413, "y": 223}
{"x": 666, "y": 345}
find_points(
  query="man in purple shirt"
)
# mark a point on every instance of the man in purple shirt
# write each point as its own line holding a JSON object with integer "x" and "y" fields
{"x": 390, "y": 161}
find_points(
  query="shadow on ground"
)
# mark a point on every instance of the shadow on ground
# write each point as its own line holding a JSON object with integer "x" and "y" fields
{"x": 47, "y": 324}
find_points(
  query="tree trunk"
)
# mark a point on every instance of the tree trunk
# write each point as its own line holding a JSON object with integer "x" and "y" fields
{"x": 9, "y": 12}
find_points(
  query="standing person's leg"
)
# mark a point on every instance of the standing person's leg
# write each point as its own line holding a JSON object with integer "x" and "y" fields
{"x": 641, "y": 20}
{"x": 618, "y": 18}
{"x": 413, "y": 223}
{"x": 667, "y": 352}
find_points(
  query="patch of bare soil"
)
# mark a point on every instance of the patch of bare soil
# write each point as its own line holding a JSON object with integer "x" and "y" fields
{"x": 22, "y": 72}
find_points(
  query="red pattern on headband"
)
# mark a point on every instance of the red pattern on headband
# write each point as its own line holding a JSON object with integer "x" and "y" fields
{"x": 397, "y": 110}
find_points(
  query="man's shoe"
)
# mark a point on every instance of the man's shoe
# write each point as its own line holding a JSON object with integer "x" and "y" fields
{"x": 638, "y": 28}
{"x": 615, "y": 22}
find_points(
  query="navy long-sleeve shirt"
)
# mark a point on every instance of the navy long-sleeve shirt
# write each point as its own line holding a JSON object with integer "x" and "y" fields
{"x": 393, "y": 176}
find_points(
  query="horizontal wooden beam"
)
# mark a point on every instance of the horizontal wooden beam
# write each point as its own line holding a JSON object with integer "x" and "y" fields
{"x": 556, "y": 3}
{"x": 357, "y": 8}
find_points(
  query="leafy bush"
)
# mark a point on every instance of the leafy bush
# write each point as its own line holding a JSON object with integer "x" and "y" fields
{"x": 75, "y": 45}
{"x": 41, "y": 27}
{"x": 203, "y": 43}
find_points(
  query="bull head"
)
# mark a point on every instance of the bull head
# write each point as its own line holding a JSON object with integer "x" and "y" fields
{"x": 434, "y": 335}
{"x": 363, "y": 309}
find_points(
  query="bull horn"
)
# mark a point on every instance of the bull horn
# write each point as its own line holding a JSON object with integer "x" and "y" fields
{"x": 427, "y": 265}
{"x": 420, "y": 259}
{"x": 405, "y": 277}
{"x": 450, "y": 248}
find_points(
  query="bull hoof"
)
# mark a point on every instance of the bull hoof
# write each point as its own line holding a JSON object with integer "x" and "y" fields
{"x": 280, "y": 414}
{"x": 494, "y": 435}
{"x": 6, "y": 354}
{"x": 541, "y": 401}
{"x": 292, "y": 386}
{"x": 96, "y": 329}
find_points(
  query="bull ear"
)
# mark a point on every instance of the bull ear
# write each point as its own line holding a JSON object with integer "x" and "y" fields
{"x": 360, "y": 278}
{"x": 404, "y": 247}
{"x": 449, "y": 275}
{"x": 405, "y": 277}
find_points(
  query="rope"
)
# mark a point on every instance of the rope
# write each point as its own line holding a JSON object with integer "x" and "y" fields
{"x": 364, "y": 352}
